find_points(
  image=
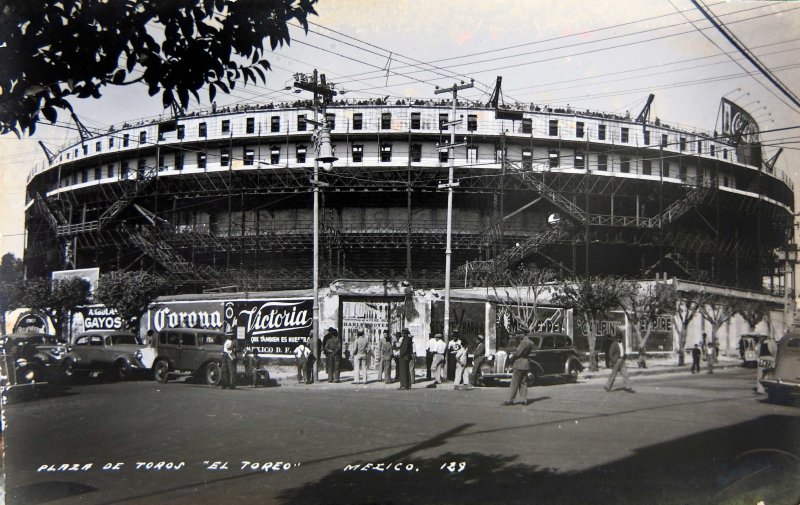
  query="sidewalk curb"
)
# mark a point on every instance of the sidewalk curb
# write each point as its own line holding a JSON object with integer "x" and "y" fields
{"x": 657, "y": 370}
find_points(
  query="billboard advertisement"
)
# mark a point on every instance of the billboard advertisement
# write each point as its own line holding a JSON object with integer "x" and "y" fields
{"x": 267, "y": 327}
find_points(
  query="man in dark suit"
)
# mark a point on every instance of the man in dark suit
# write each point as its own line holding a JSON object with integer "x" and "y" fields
{"x": 477, "y": 359}
{"x": 406, "y": 352}
{"x": 617, "y": 358}
{"x": 333, "y": 354}
{"x": 696, "y": 354}
{"x": 521, "y": 367}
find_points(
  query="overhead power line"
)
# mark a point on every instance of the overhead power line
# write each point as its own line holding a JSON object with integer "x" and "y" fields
{"x": 747, "y": 54}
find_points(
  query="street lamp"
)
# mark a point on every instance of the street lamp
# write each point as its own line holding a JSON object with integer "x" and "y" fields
{"x": 322, "y": 136}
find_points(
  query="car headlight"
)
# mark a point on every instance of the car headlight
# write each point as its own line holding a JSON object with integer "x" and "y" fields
{"x": 138, "y": 355}
{"x": 56, "y": 352}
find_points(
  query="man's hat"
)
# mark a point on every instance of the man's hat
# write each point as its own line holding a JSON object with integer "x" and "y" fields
{"x": 396, "y": 334}
{"x": 360, "y": 332}
{"x": 405, "y": 331}
{"x": 479, "y": 337}
{"x": 332, "y": 330}
{"x": 438, "y": 335}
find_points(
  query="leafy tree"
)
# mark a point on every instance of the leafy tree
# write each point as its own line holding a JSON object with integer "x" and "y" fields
{"x": 591, "y": 298}
{"x": 642, "y": 306}
{"x": 687, "y": 305}
{"x": 51, "y": 52}
{"x": 519, "y": 293}
{"x": 10, "y": 277}
{"x": 129, "y": 293}
{"x": 718, "y": 310}
{"x": 57, "y": 299}
{"x": 753, "y": 311}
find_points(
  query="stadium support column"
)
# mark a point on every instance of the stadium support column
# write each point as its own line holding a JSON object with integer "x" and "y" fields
{"x": 448, "y": 252}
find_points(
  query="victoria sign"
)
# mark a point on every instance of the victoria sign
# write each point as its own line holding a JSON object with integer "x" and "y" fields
{"x": 269, "y": 326}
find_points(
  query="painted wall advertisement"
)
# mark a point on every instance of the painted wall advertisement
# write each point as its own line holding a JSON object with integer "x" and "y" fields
{"x": 610, "y": 326}
{"x": 661, "y": 335}
{"x": 268, "y": 327}
{"x": 548, "y": 319}
{"x": 469, "y": 318}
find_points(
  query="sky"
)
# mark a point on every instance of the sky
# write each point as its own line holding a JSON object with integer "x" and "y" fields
{"x": 591, "y": 54}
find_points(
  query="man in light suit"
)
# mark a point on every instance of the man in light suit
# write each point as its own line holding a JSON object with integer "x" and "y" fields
{"x": 360, "y": 349}
{"x": 521, "y": 368}
{"x": 617, "y": 359}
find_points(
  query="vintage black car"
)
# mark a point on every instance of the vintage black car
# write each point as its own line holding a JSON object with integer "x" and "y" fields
{"x": 33, "y": 357}
{"x": 782, "y": 375}
{"x": 116, "y": 352}
{"x": 199, "y": 353}
{"x": 553, "y": 355}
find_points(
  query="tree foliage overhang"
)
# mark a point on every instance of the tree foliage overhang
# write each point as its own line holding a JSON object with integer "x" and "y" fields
{"x": 53, "y": 51}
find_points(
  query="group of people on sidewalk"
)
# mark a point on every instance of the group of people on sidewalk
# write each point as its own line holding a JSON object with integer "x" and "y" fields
{"x": 397, "y": 353}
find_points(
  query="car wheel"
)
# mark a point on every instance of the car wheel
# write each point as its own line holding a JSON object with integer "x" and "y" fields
{"x": 531, "y": 379}
{"x": 213, "y": 374}
{"x": 68, "y": 368}
{"x": 161, "y": 371}
{"x": 122, "y": 369}
{"x": 573, "y": 373}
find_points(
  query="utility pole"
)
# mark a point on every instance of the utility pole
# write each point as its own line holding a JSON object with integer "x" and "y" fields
{"x": 450, "y": 184}
{"x": 326, "y": 92}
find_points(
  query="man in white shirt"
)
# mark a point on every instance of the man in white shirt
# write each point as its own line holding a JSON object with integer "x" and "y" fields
{"x": 438, "y": 348}
{"x": 301, "y": 353}
{"x": 229, "y": 359}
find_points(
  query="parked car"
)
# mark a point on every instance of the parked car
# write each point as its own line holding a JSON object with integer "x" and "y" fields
{"x": 553, "y": 355}
{"x": 199, "y": 353}
{"x": 33, "y": 357}
{"x": 117, "y": 352}
{"x": 782, "y": 381}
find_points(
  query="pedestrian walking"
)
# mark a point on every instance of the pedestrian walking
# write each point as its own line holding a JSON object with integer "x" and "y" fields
{"x": 329, "y": 333}
{"x": 386, "y": 355}
{"x": 406, "y": 350}
{"x": 333, "y": 355}
{"x": 412, "y": 363}
{"x": 696, "y": 355}
{"x": 229, "y": 363}
{"x": 617, "y": 358}
{"x": 704, "y": 346}
{"x": 313, "y": 356}
{"x": 478, "y": 358}
{"x": 360, "y": 350}
{"x": 301, "y": 354}
{"x": 455, "y": 340}
{"x": 461, "y": 366}
{"x": 521, "y": 368}
{"x": 429, "y": 352}
{"x": 711, "y": 357}
{"x": 437, "y": 367}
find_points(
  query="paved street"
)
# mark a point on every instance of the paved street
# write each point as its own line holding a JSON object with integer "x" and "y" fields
{"x": 680, "y": 438}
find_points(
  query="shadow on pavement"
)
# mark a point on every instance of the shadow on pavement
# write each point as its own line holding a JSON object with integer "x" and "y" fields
{"x": 43, "y": 492}
{"x": 743, "y": 464}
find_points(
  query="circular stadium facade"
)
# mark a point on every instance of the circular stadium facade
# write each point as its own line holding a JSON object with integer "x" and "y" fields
{"x": 223, "y": 198}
